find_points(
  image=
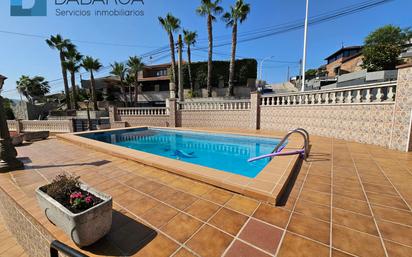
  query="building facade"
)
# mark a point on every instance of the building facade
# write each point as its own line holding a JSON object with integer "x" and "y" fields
{"x": 345, "y": 60}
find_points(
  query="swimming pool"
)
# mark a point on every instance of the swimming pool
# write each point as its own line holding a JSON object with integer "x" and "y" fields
{"x": 224, "y": 152}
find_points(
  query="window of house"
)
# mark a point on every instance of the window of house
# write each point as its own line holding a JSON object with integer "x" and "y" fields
{"x": 161, "y": 73}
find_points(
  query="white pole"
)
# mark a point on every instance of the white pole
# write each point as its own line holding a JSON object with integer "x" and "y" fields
{"x": 304, "y": 46}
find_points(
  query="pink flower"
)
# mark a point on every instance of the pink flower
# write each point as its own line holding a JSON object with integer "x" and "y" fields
{"x": 88, "y": 199}
{"x": 76, "y": 195}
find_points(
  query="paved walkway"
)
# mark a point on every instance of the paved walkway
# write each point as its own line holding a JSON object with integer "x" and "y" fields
{"x": 9, "y": 246}
{"x": 349, "y": 199}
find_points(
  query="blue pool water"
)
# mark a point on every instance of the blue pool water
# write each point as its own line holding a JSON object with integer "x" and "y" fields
{"x": 219, "y": 151}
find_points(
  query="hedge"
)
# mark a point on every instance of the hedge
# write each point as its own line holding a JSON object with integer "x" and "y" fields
{"x": 244, "y": 69}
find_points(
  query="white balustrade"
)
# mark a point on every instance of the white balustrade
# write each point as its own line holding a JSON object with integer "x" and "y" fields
{"x": 227, "y": 105}
{"x": 46, "y": 125}
{"x": 12, "y": 125}
{"x": 369, "y": 94}
{"x": 150, "y": 111}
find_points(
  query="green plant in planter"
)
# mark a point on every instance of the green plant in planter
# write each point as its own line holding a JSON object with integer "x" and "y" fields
{"x": 62, "y": 187}
{"x": 66, "y": 190}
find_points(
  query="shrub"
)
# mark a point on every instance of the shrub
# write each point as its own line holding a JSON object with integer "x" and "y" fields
{"x": 383, "y": 47}
{"x": 66, "y": 190}
{"x": 62, "y": 187}
{"x": 244, "y": 69}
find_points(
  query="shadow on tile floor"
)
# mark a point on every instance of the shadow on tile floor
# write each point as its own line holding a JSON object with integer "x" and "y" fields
{"x": 126, "y": 237}
{"x": 97, "y": 164}
{"x": 289, "y": 186}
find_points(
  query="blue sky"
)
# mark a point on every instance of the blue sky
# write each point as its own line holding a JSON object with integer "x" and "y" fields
{"x": 31, "y": 56}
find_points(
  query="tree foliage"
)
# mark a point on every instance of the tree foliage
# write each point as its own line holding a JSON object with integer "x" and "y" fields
{"x": 245, "y": 69}
{"x": 32, "y": 88}
{"x": 383, "y": 46}
{"x": 8, "y": 110}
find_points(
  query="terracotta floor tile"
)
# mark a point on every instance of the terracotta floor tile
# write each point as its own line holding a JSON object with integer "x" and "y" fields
{"x": 218, "y": 196}
{"x": 394, "y": 215}
{"x": 394, "y": 232}
{"x": 131, "y": 237}
{"x": 199, "y": 189}
{"x": 397, "y": 250}
{"x": 149, "y": 187}
{"x": 296, "y": 246}
{"x": 181, "y": 227}
{"x": 128, "y": 197}
{"x": 180, "y": 200}
{"x": 159, "y": 215}
{"x": 309, "y": 227}
{"x": 318, "y": 179}
{"x": 116, "y": 191}
{"x": 350, "y": 204}
{"x": 356, "y": 243}
{"x": 370, "y": 162}
{"x": 273, "y": 215}
{"x": 202, "y": 209}
{"x": 215, "y": 240}
{"x": 240, "y": 249}
{"x": 354, "y": 221}
{"x": 317, "y": 186}
{"x": 228, "y": 221}
{"x": 137, "y": 182}
{"x": 163, "y": 193}
{"x": 313, "y": 210}
{"x": 262, "y": 235}
{"x": 242, "y": 204}
{"x": 316, "y": 197}
{"x": 184, "y": 253}
{"x": 142, "y": 205}
{"x": 161, "y": 246}
{"x": 386, "y": 200}
{"x": 356, "y": 194}
{"x": 380, "y": 189}
{"x": 337, "y": 253}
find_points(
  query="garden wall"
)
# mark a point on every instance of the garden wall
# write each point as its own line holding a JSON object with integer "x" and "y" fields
{"x": 371, "y": 124}
{"x": 214, "y": 119}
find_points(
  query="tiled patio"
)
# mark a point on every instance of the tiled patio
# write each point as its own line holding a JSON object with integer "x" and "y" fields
{"x": 349, "y": 199}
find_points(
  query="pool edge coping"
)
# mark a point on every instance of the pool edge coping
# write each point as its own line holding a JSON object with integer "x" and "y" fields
{"x": 266, "y": 190}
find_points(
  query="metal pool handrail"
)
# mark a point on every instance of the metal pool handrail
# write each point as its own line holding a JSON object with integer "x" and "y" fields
{"x": 304, "y": 133}
{"x": 57, "y": 246}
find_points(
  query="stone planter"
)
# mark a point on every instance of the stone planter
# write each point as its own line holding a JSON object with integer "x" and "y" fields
{"x": 31, "y": 136}
{"x": 17, "y": 140}
{"x": 83, "y": 228}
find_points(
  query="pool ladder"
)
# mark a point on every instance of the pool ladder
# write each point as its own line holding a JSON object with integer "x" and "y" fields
{"x": 304, "y": 133}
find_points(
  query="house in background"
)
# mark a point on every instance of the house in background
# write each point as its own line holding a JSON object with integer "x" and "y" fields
{"x": 345, "y": 60}
{"x": 154, "y": 85}
{"x": 344, "y": 68}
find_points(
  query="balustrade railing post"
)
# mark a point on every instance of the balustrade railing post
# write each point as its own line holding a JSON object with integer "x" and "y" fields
{"x": 379, "y": 95}
{"x": 391, "y": 94}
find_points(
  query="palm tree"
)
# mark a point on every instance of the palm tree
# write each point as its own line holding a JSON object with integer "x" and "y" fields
{"x": 60, "y": 44}
{"x": 190, "y": 39}
{"x": 23, "y": 85}
{"x": 119, "y": 70}
{"x": 209, "y": 8}
{"x": 238, "y": 13}
{"x": 171, "y": 25}
{"x": 32, "y": 88}
{"x": 135, "y": 65}
{"x": 91, "y": 65}
{"x": 72, "y": 64}
{"x": 129, "y": 82}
